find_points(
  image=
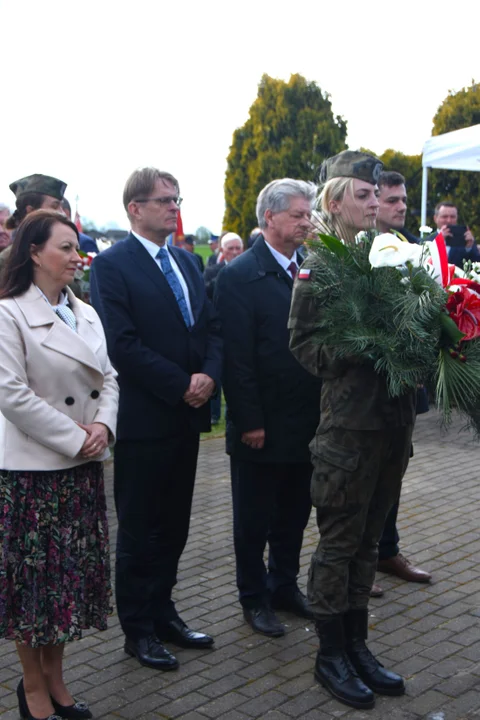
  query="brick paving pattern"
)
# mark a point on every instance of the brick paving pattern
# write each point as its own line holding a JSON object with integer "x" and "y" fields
{"x": 429, "y": 633}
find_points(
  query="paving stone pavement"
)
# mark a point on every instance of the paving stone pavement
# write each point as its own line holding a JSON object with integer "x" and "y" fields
{"x": 429, "y": 633}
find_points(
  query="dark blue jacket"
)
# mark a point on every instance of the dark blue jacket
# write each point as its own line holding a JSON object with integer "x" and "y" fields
{"x": 264, "y": 385}
{"x": 148, "y": 342}
{"x": 87, "y": 244}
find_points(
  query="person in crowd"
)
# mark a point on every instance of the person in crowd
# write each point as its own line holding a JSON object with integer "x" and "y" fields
{"x": 231, "y": 247}
{"x": 273, "y": 408}
{"x": 5, "y": 238}
{"x": 31, "y": 193}
{"x": 4, "y": 214}
{"x": 392, "y": 210}
{"x": 445, "y": 215}
{"x": 213, "y": 245}
{"x": 58, "y": 409}
{"x": 164, "y": 341}
{"x": 87, "y": 243}
{"x": 362, "y": 444}
{"x": 189, "y": 245}
{"x": 253, "y": 237}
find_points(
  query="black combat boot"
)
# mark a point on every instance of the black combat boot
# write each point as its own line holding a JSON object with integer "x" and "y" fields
{"x": 365, "y": 663}
{"x": 334, "y": 670}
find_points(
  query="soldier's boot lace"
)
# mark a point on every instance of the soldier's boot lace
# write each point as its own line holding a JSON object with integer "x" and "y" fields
{"x": 371, "y": 670}
{"x": 333, "y": 668}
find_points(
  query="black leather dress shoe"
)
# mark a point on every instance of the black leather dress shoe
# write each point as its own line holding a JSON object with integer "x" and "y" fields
{"x": 263, "y": 620}
{"x": 178, "y": 633}
{"x": 294, "y": 602}
{"x": 150, "y": 652}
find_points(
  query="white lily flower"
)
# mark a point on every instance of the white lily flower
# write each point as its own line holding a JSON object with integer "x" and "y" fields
{"x": 389, "y": 251}
{"x": 425, "y": 230}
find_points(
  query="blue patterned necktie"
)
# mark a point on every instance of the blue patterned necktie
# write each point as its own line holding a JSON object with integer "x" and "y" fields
{"x": 174, "y": 283}
{"x": 66, "y": 314}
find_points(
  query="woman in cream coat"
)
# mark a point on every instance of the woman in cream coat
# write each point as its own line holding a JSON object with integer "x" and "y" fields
{"x": 58, "y": 408}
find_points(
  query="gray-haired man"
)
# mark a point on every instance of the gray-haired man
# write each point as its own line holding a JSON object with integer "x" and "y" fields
{"x": 273, "y": 407}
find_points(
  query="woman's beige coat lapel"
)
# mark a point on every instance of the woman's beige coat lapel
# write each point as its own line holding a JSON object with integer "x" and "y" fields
{"x": 81, "y": 345}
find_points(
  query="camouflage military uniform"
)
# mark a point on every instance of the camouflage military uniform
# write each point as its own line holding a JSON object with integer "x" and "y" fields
{"x": 360, "y": 453}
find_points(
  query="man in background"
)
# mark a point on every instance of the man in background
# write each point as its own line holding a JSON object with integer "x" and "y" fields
{"x": 213, "y": 245}
{"x": 392, "y": 211}
{"x": 189, "y": 245}
{"x": 446, "y": 214}
{"x": 87, "y": 244}
{"x": 232, "y": 247}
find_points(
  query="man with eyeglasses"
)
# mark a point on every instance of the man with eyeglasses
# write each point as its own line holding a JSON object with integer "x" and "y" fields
{"x": 164, "y": 340}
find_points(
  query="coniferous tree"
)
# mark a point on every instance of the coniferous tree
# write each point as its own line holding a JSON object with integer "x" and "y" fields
{"x": 290, "y": 130}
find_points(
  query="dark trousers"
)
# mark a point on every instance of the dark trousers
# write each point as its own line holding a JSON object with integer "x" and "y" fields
{"x": 388, "y": 544}
{"x": 153, "y": 484}
{"x": 271, "y": 503}
{"x": 357, "y": 479}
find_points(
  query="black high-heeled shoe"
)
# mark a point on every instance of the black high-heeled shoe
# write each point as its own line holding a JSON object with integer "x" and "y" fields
{"x": 78, "y": 711}
{"x": 23, "y": 706}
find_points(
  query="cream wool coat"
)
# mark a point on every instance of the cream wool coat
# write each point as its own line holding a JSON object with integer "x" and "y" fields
{"x": 50, "y": 379}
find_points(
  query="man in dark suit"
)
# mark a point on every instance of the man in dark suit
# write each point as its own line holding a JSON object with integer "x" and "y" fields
{"x": 446, "y": 214}
{"x": 273, "y": 407}
{"x": 163, "y": 339}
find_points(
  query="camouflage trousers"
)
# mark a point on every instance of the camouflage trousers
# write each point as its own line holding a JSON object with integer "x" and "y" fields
{"x": 357, "y": 478}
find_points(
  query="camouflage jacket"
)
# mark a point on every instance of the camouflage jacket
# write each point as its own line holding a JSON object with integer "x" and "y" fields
{"x": 354, "y": 396}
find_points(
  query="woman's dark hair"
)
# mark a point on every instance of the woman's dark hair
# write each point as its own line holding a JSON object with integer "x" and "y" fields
{"x": 17, "y": 273}
{"x": 33, "y": 199}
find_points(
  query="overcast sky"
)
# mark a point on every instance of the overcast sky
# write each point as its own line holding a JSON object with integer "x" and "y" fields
{"x": 94, "y": 89}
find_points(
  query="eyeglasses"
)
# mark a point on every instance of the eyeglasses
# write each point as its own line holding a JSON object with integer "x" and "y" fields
{"x": 162, "y": 200}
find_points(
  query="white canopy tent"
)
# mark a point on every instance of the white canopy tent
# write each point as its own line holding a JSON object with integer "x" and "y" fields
{"x": 457, "y": 150}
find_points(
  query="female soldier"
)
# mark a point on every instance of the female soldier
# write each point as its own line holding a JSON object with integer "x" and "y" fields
{"x": 360, "y": 453}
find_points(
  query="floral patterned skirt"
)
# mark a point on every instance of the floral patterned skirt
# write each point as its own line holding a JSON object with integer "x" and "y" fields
{"x": 54, "y": 554}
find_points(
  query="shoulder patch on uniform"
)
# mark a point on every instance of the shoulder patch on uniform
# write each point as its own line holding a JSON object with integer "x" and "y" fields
{"x": 304, "y": 274}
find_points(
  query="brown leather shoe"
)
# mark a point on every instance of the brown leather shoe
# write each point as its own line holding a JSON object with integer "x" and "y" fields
{"x": 376, "y": 591}
{"x": 403, "y": 568}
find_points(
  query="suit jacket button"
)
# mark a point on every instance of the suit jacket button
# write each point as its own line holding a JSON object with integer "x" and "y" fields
{"x": 69, "y": 401}
{"x": 94, "y": 394}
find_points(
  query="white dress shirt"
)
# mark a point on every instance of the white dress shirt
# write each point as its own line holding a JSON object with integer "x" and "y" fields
{"x": 152, "y": 250}
{"x": 282, "y": 259}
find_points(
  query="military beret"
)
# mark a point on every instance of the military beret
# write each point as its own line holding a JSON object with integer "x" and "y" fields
{"x": 43, "y": 184}
{"x": 351, "y": 164}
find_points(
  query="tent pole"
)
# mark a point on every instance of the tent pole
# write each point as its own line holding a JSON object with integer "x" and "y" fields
{"x": 423, "y": 218}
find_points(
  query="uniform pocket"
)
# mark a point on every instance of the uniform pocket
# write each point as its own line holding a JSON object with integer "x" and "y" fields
{"x": 333, "y": 469}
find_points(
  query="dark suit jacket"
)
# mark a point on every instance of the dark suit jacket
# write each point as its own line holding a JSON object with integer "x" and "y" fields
{"x": 148, "y": 342}
{"x": 210, "y": 276}
{"x": 264, "y": 385}
{"x": 457, "y": 255}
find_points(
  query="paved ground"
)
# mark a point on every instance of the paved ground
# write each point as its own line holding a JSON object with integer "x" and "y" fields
{"x": 431, "y": 633}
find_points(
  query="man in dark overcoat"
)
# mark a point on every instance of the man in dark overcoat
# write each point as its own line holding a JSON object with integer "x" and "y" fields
{"x": 273, "y": 407}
